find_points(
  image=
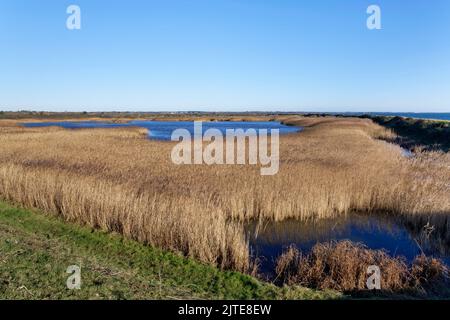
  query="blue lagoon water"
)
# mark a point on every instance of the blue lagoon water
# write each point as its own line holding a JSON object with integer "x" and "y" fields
{"x": 268, "y": 241}
{"x": 162, "y": 130}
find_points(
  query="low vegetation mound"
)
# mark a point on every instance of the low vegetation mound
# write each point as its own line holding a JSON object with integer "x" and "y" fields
{"x": 428, "y": 134}
{"x": 343, "y": 266}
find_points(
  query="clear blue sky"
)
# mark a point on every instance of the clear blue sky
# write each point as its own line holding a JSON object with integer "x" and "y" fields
{"x": 235, "y": 55}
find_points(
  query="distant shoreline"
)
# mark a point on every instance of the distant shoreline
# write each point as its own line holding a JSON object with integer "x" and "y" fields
{"x": 15, "y": 115}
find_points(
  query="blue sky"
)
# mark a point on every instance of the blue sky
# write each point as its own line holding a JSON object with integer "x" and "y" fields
{"x": 234, "y": 55}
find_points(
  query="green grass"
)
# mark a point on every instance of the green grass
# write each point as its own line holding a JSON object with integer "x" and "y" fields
{"x": 36, "y": 249}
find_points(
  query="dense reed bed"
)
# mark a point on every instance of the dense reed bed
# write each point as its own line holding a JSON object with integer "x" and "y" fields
{"x": 343, "y": 266}
{"x": 118, "y": 180}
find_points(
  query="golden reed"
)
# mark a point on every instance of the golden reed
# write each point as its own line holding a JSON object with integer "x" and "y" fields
{"x": 120, "y": 181}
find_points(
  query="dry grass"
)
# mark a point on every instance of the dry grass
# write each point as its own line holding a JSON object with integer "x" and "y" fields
{"x": 343, "y": 266}
{"x": 115, "y": 179}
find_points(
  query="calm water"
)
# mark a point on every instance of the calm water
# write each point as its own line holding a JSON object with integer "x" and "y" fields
{"x": 376, "y": 232}
{"x": 162, "y": 130}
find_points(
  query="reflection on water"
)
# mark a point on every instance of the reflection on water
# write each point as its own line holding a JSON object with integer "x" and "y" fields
{"x": 162, "y": 130}
{"x": 268, "y": 240}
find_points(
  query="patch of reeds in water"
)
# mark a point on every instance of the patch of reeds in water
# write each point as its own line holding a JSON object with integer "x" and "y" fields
{"x": 343, "y": 266}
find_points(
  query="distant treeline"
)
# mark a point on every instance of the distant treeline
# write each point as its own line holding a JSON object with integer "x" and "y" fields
{"x": 15, "y": 115}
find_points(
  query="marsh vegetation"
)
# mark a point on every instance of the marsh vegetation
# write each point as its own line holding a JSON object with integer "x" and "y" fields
{"x": 117, "y": 180}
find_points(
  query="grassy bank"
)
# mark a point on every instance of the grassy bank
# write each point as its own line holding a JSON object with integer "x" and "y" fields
{"x": 36, "y": 250}
{"x": 432, "y": 134}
